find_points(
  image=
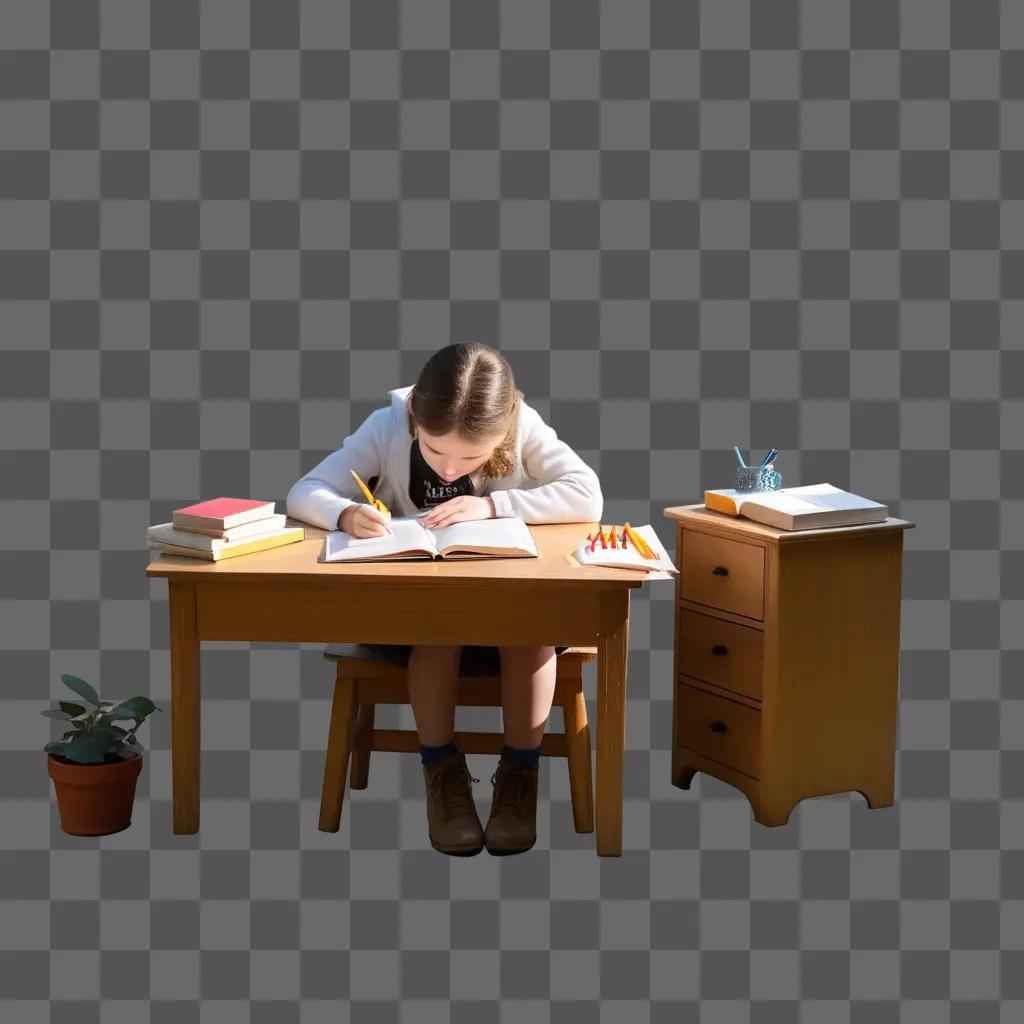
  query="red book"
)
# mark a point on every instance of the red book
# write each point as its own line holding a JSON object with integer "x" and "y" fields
{"x": 220, "y": 514}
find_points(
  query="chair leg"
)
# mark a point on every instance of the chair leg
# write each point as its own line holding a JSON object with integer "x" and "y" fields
{"x": 577, "y": 741}
{"x": 339, "y": 745}
{"x": 360, "y": 771}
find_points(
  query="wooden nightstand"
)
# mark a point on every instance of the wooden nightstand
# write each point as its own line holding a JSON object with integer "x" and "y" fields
{"x": 786, "y": 669}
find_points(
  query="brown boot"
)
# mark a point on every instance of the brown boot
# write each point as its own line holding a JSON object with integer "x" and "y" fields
{"x": 451, "y": 814}
{"x": 512, "y": 826}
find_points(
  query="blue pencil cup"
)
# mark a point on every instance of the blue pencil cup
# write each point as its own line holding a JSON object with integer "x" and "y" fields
{"x": 757, "y": 478}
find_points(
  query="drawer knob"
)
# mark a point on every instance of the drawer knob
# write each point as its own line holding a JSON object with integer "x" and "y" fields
{"x": 719, "y": 570}
{"x": 719, "y": 649}
{"x": 718, "y": 725}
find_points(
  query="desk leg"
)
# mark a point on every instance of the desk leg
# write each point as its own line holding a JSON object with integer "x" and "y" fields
{"x": 184, "y": 708}
{"x": 612, "y": 650}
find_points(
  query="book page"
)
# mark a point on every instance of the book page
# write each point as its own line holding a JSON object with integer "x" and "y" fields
{"x": 511, "y": 534}
{"x": 409, "y": 538}
{"x": 828, "y": 496}
{"x": 788, "y": 503}
{"x": 810, "y": 498}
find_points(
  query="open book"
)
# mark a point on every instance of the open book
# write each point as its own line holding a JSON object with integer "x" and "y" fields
{"x": 798, "y": 508}
{"x": 476, "y": 538}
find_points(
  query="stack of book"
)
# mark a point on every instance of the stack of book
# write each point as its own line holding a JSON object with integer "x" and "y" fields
{"x": 222, "y": 528}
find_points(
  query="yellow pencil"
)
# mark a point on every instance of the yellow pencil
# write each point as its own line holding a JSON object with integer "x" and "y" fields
{"x": 639, "y": 543}
{"x": 647, "y": 551}
{"x": 376, "y": 502}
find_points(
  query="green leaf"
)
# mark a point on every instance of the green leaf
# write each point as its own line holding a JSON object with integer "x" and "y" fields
{"x": 56, "y": 747}
{"x": 134, "y": 707}
{"x": 62, "y": 715}
{"x": 88, "y": 747}
{"x": 82, "y": 688}
{"x": 74, "y": 710}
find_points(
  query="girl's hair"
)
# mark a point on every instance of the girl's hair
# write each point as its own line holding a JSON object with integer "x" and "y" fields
{"x": 468, "y": 388}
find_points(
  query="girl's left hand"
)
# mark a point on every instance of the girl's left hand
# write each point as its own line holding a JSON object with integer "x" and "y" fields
{"x": 457, "y": 510}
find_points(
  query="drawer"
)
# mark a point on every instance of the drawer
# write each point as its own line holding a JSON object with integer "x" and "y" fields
{"x": 721, "y": 729}
{"x": 722, "y": 573}
{"x": 721, "y": 652}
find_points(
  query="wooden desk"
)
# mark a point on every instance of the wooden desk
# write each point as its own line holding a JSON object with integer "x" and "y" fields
{"x": 786, "y": 658}
{"x": 285, "y": 596}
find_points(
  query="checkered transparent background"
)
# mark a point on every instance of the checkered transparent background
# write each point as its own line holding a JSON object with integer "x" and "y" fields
{"x": 227, "y": 228}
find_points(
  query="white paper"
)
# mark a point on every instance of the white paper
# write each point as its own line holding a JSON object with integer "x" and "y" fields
{"x": 628, "y": 558}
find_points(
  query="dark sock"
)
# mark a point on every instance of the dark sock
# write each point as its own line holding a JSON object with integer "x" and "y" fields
{"x": 528, "y": 755}
{"x": 429, "y": 754}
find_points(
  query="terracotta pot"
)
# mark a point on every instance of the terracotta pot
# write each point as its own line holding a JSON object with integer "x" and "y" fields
{"x": 95, "y": 799}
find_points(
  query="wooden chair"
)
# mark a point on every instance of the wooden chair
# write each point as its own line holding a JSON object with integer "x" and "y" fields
{"x": 365, "y": 679}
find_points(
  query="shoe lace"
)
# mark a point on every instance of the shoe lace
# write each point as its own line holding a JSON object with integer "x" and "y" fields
{"x": 515, "y": 784}
{"x": 455, "y": 798}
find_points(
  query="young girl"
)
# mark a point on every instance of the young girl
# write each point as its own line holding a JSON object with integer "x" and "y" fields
{"x": 463, "y": 444}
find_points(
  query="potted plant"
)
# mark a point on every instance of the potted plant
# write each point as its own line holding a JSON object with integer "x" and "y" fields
{"x": 97, "y": 763}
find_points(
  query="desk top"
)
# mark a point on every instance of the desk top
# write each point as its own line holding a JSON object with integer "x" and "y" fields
{"x": 298, "y": 560}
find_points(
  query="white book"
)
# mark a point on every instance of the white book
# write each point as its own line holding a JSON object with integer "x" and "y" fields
{"x": 166, "y": 533}
{"x": 810, "y": 507}
{"x": 627, "y": 557}
{"x": 233, "y": 548}
{"x": 507, "y": 537}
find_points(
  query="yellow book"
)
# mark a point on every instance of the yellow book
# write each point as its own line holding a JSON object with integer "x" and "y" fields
{"x": 232, "y": 548}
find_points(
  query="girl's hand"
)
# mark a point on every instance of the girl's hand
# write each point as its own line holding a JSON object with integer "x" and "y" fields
{"x": 361, "y": 520}
{"x": 458, "y": 510}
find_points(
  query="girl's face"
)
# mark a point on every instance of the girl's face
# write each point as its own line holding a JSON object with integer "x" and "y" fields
{"x": 450, "y": 457}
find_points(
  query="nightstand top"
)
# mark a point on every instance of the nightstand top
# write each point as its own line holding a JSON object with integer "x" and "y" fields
{"x": 699, "y": 517}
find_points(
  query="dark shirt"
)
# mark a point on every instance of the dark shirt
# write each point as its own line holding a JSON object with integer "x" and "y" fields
{"x": 426, "y": 488}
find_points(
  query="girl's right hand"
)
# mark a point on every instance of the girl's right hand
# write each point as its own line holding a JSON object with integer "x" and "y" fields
{"x": 361, "y": 520}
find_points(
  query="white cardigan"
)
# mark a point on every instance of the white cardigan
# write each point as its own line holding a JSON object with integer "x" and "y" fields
{"x": 550, "y": 484}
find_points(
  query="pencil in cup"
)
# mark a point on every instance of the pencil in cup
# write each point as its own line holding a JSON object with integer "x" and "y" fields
{"x": 375, "y": 502}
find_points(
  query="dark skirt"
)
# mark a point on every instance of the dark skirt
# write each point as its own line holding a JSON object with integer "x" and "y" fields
{"x": 474, "y": 656}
